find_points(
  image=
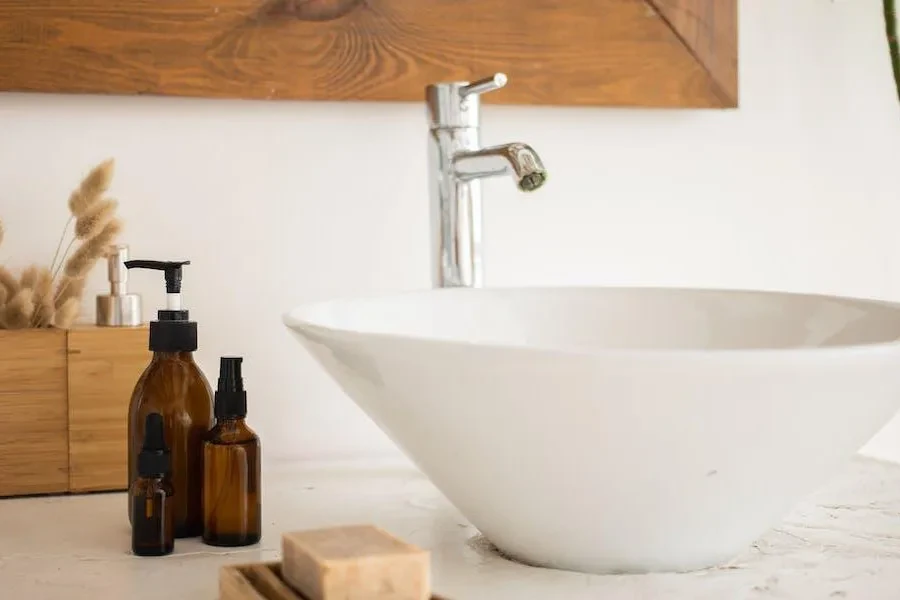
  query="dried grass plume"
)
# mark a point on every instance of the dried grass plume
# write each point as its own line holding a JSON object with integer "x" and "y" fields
{"x": 8, "y": 281}
{"x": 67, "y": 313}
{"x": 68, "y": 287}
{"x": 19, "y": 309}
{"x": 44, "y": 305}
{"x": 92, "y": 187}
{"x": 92, "y": 249}
{"x": 90, "y": 223}
{"x": 29, "y": 277}
{"x": 51, "y": 296}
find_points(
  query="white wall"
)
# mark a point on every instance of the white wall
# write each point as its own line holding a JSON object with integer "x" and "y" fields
{"x": 279, "y": 204}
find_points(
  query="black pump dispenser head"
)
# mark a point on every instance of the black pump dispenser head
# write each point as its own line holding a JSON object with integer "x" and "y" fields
{"x": 154, "y": 459}
{"x": 172, "y": 270}
{"x": 231, "y": 399}
{"x": 173, "y": 331}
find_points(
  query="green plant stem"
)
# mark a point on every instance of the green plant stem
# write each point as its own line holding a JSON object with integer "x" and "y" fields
{"x": 890, "y": 24}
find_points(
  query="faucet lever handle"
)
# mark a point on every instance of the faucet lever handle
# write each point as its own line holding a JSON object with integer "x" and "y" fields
{"x": 488, "y": 84}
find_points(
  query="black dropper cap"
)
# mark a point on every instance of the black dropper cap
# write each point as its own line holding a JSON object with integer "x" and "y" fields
{"x": 231, "y": 399}
{"x": 173, "y": 331}
{"x": 154, "y": 460}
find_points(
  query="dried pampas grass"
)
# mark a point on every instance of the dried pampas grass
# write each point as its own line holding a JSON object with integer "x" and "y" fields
{"x": 44, "y": 306}
{"x": 29, "y": 277}
{"x": 52, "y": 296}
{"x": 8, "y": 281}
{"x": 91, "y": 189}
{"x": 68, "y": 287}
{"x": 92, "y": 249}
{"x": 67, "y": 313}
{"x": 94, "y": 219}
{"x": 19, "y": 310}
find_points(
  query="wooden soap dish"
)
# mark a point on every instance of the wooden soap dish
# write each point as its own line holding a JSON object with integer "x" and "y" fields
{"x": 259, "y": 581}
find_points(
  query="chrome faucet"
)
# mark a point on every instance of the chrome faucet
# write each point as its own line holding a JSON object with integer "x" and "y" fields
{"x": 457, "y": 163}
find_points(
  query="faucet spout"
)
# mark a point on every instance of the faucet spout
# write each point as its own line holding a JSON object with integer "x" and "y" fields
{"x": 518, "y": 160}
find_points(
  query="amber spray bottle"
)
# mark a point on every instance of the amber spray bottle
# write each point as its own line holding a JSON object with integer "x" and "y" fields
{"x": 174, "y": 386}
{"x": 232, "y": 501}
{"x": 150, "y": 495}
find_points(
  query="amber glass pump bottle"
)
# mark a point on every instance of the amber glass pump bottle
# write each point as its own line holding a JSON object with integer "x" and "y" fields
{"x": 150, "y": 495}
{"x": 232, "y": 507}
{"x": 175, "y": 387}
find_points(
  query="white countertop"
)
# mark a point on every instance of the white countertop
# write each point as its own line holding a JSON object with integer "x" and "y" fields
{"x": 844, "y": 542}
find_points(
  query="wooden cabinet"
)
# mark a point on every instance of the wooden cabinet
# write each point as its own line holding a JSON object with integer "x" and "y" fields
{"x": 64, "y": 406}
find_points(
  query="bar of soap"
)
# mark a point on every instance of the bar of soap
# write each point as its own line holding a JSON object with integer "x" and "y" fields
{"x": 356, "y": 562}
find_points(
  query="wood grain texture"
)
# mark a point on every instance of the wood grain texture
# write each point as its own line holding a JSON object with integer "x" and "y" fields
{"x": 267, "y": 579}
{"x": 104, "y": 365}
{"x": 259, "y": 581}
{"x": 580, "y": 52}
{"x": 234, "y": 585}
{"x": 710, "y": 29}
{"x": 33, "y": 444}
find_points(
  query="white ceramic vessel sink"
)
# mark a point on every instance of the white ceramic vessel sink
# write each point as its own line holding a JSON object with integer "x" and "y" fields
{"x": 611, "y": 430}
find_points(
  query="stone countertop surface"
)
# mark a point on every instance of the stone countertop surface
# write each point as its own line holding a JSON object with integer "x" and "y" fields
{"x": 841, "y": 542}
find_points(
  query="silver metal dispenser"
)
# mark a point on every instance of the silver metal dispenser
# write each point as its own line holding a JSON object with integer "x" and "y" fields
{"x": 118, "y": 308}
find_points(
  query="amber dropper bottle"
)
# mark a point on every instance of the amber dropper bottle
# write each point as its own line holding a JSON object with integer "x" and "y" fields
{"x": 152, "y": 507}
{"x": 232, "y": 502}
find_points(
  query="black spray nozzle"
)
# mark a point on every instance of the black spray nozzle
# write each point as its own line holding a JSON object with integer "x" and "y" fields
{"x": 172, "y": 270}
{"x": 230, "y": 379}
{"x": 231, "y": 399}
{"x": 154, "y": 458}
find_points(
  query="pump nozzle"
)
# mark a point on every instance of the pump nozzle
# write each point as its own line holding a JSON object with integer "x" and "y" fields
{"x": 231, "y": 399}
{"x": 173, "y": 331}
{"x": 230, "y": 374}
{"x": 172, "y": 270}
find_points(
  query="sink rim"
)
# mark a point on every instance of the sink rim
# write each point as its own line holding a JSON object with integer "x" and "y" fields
{"x": 298, "y": 320}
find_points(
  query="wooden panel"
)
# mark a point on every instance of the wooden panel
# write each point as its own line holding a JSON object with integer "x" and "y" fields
{"x": 579, "y": 52}
{"x": 33, "y": 444}
{"x": 709, "y": 28}
{"x": 104, "y": 366}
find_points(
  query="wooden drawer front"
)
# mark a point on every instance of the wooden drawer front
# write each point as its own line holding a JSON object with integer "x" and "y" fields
{"x": 33, "y": 416}
{"x": 104, "y": 366}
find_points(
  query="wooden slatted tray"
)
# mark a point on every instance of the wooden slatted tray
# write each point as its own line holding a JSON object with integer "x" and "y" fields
{"x": 259, "y": 581}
